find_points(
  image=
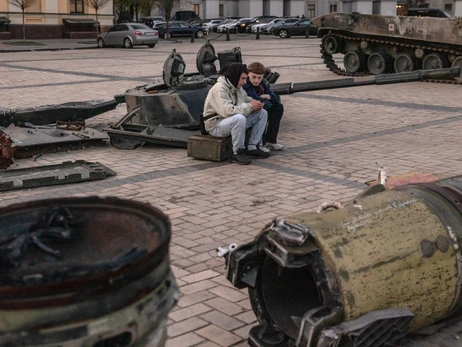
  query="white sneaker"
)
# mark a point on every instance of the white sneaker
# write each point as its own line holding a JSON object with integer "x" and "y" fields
{"x": 274, "y": 146}
{"x": 264, "y": 149}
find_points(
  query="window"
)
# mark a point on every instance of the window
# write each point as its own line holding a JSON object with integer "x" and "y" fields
{"x": 448, "y": 8}
{"x": 333, "y": 8}
{"x": 221, "y": 11}
{"x": 196, "y": 8}
{"x": 311, "y": 11}
{"x": 76, "y": 6}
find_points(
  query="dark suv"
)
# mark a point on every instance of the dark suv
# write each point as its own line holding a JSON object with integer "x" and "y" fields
{"x": 248, "y": 24}
{"x": 428, "y": 12}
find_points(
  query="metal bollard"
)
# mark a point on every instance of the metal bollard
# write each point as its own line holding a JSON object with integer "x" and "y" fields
{"x": 307, "y": 32}
{"x": 192, "y": 36}
{"x": 258, "y": 33}
{"x": 227, "y": 35}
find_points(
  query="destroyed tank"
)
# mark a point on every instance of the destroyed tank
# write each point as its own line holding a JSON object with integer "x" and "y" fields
{"x": 373, "y": 44}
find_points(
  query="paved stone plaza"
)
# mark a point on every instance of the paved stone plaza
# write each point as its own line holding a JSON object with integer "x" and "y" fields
{"x": 333, "y": 140}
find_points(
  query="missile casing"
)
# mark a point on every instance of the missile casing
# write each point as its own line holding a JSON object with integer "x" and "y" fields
{"x": 388, "y": 262}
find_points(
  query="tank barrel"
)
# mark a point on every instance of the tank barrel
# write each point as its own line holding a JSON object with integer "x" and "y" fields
{"x": 401, "y": 77}
{"x": 384, "y": 265}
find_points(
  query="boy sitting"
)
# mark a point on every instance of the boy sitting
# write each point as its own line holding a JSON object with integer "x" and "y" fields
{"x": 257, "y": 88}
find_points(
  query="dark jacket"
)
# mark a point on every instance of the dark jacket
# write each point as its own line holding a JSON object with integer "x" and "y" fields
{"x": 255, "y": 92}
{"x": 149, "y": 22}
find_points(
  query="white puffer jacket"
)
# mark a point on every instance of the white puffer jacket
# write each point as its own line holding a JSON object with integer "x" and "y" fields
{"x": 225, "y": 100}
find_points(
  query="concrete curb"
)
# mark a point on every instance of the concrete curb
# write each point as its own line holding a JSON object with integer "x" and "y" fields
{"x": 44, "y": 49}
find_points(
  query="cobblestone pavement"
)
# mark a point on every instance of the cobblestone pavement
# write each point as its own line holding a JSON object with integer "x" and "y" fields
{"x": 333, "y": 140}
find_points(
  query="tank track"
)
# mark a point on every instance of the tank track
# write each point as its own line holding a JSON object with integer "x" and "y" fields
{"x": 332, "y": 66}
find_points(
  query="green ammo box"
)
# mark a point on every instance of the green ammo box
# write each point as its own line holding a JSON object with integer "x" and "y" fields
{"x": 210, "y": 147}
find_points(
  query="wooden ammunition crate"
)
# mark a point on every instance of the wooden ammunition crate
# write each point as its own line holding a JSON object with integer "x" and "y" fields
{"x": 210, "y": 147}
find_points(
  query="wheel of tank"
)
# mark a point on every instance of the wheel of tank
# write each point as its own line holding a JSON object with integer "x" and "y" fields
{"x": 405, "y": 62}
{"x": 128, "y": 43}
{"x": 354, "y": 61}
{"x": 283, "y": 34}
{"x": 199, "y": 34}
{"x": 434, "y": 61}
{"x": 152, "y": 45}
{"x": 101, "y": 43}
{"x": 331, "y": 45}
{"x": 458, "y": 63}
{"x": 167, "y": 36}
{"x": 379, "y": 63}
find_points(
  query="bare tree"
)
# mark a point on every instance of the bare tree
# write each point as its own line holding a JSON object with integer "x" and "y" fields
{"x": 97, "y": 5}
{"x": 167, "y": 6}
{"x": 417, "y": 3}
{"x": 146, "y": 6}
{"x": 23, "y": 5}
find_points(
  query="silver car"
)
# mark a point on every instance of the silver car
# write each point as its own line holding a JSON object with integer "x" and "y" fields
{"x": 128, "y": 35}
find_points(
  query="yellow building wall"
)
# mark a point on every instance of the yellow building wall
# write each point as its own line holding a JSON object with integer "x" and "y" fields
{"x": 52, "y": 11}
{"x": 3, "y": 5}
{"x": 63, "y": 6}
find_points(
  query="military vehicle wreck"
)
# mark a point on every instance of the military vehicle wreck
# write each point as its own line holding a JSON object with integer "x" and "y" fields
{"x": 166, "y": 113}
{"x": 384, "y": 44}
{"x": 169, "y": 113}
{"x": 26, "y": 131}
{"x": 85, "y": 272}
{"x": 366, "y": 274}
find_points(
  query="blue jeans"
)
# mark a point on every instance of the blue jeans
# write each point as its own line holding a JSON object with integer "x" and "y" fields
{"x": 236, "y": 125}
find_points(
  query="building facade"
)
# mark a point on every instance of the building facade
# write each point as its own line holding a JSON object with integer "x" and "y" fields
{"x": 309, "y": 8}
{"x": 53, "y": 19}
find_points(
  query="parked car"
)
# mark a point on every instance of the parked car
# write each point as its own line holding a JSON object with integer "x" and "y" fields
{"x": 428, "y": 12}
{"x": 264, "y": 27}
{"x": 286, "y": 21}
{"x": 213, "y": 27}
{"x": 178, "y": 28}
{"x": 211, "y": 23}
{"x": 255, "y": 20}
{"x": 128, "y": 35}
{"x": 297, "y": 29}
{"x": 185, "y": 16}
{"x": 227, "y": 24}
{"x": 260, "y": 21}
{"x": 258, "y": 26}
{"x": 158, "y": 24}
{"x": 158, "y": 19}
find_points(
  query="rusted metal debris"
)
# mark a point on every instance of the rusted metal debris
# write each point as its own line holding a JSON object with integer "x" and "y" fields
{"x": 48, "y": 175}
{"x": 49, "y": 114}
{"x": 70, "y": 125}
{"x": 7, "y": 151}
{"x": 85, "y": 272}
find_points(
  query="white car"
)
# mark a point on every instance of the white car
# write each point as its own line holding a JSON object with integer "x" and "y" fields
{"x": 211, "y": 23}
{"x": 259, "y": 26}
{"x": 267, "y": 26}
{"x": 231, "y": 25}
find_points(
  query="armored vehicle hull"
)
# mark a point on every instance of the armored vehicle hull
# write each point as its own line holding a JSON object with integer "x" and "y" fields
{"x": 384, "y": 44}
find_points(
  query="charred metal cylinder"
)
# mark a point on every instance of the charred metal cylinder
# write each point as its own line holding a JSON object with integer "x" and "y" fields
{"x": 387, "y": 264}
{"x": 84, "y": 272}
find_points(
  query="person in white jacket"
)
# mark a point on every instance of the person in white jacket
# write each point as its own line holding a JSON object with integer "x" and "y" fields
{"x": 228, "y": 110}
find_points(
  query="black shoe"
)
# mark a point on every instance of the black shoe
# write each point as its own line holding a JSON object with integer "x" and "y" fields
{"x": 257, "y": 153}
{"x": 240, "y": 157}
